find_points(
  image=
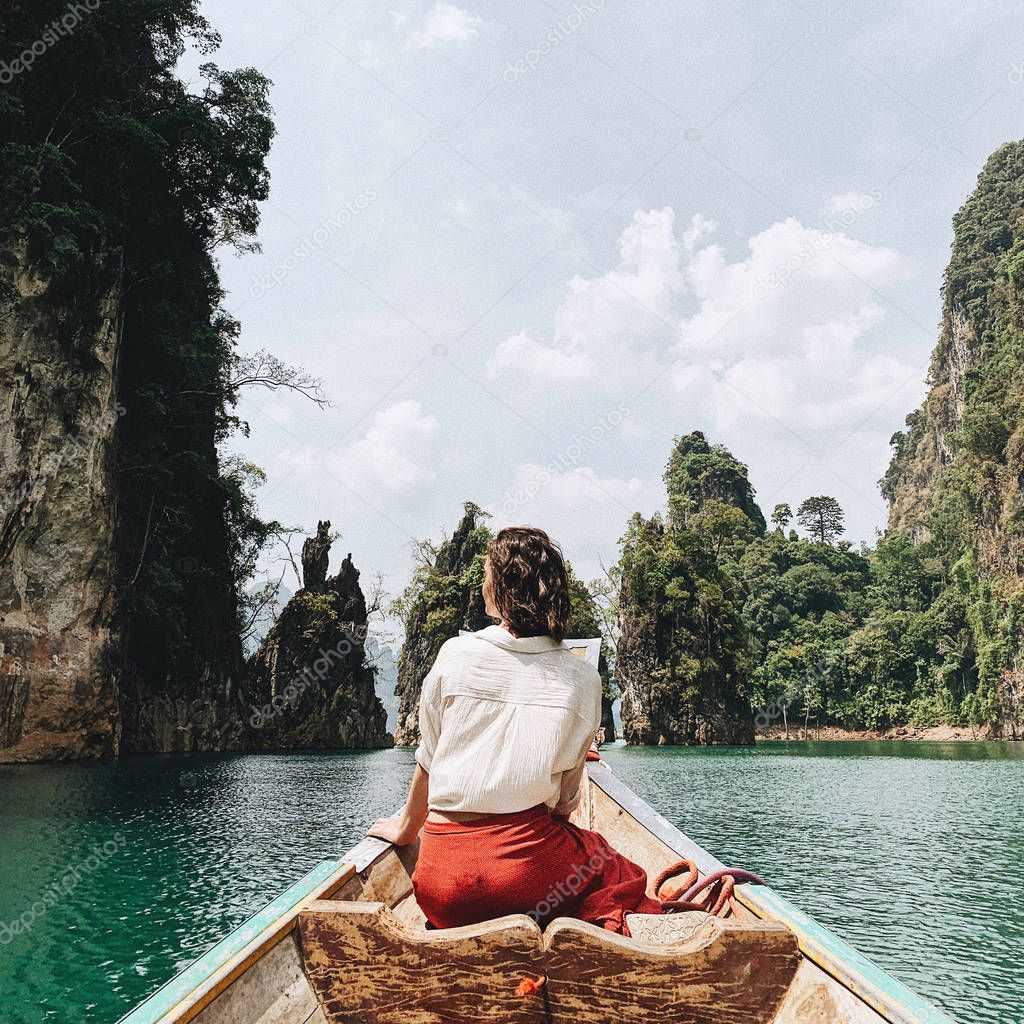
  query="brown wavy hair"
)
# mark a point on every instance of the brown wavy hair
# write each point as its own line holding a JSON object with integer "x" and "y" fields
{"x": 529, "y": 584}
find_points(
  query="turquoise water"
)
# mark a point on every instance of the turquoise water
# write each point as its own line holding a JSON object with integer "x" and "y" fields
{"x": 912, "y": 852}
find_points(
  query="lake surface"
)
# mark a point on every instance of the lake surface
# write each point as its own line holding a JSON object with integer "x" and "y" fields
{"x": 912, "y": 852}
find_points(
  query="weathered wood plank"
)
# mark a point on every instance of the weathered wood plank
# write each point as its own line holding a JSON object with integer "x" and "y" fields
{"x": 388, "y": 879}
{"x": 274, "y": 991}
{"x": 815, "y": 998}
{"x": 728, "y": 972}
{"x": 365, "y": 965}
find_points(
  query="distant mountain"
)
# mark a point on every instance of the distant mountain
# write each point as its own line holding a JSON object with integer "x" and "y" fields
{"x": 383, "y": 660}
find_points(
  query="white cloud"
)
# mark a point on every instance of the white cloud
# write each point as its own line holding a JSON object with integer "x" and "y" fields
{"x": 522, "y": 353}
{"x": 784, "y": 332}
{"x": 701, "y": 227}
{"x": 579, "y": 507}
{"x": 280, "y": 413}
{"x": 599, "y": 313}
{"x": 788, "y": 334}
{"x": 581, "y": 486}
{"x": 447, "y": 23}
{"x": 459, "y": 212}
{"x": 394, "y": 453}
{"x": 305, "y": 458}
{"x": 851, "y": 203}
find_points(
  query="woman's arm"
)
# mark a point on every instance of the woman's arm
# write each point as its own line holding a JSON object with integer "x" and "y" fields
{"x": 404, "y": 829}
{"x": 569, "y": 797}
{"x": 572, "y": 778}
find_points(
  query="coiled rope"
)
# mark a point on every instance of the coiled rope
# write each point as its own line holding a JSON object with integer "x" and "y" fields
{"x": 717, "y": 886}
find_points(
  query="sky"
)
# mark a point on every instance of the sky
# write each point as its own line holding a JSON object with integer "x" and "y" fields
{"x": 527, "y": 245}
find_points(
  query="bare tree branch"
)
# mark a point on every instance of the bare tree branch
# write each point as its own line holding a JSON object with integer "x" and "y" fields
{"x": 267, "y": 371}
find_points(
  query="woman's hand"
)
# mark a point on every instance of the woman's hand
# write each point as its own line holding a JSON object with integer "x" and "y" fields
{"x": 400, "y": 831}
{"x": 403, "y": 829}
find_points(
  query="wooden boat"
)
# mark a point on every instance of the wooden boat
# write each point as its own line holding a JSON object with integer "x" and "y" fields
{"x": 346, "y": 943}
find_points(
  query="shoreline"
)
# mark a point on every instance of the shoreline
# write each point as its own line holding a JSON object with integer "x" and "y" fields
{"x": 915, "y": 733}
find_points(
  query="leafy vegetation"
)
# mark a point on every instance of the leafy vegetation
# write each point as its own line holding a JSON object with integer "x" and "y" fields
{"x": 956, "y": 480}
{"x": 715, "y": 615}
{"x": 115, "y": 175}
{"x": 822, "y": 517}
{"x": 683, "y": 651}
{"x": 927, "y": 627}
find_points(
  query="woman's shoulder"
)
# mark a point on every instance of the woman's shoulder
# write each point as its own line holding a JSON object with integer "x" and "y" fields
{"x": 582, "y": 672}
{"x": 463, "y": 643}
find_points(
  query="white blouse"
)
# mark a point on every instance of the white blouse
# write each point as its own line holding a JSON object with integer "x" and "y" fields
{"x": 503, "y": 719}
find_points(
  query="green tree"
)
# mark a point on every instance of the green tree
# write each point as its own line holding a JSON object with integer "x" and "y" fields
{"x": 442, "y": 597}
{"x": 114, "y": 170}
{"x": 683, "y": 653}
{"x": 782, "y": 516}
{"x": 822, "y": 517}
{"x": 698, "y": 472}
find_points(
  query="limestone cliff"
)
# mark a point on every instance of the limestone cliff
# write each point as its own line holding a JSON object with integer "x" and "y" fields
{"x": 956, "y": 480}
{"x": 59, "y": 414}
{"x": 309, "y": 682}
{"x": 443, "y": 598}
{"x": 963, "y": 453}
{"x": 126, "y": 532}
{"x": 683, "y": 655}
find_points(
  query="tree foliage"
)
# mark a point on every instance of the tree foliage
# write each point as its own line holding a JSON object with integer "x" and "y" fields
{"x": 112, "y": 169}
{"x": 682, "y": 658}
{"x": 782, "y": 516}
{"x": 821, "y": 517}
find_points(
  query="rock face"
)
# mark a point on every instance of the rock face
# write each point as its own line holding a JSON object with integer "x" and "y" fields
{"x": 309, "y": 685}
{"x": 69, "y": 686}
{"x": 443, "y": 598}
{"x": 124, "y": 539}
{"x": 683, "y": 656}
{"x": 58, "y": 631}
{"x": 925, "y": 449}
{"x": 956, "y": 479}
{"x": 963, "y": 451}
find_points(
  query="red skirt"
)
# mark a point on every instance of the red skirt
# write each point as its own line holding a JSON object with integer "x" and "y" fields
{"x": 525, "y": 863}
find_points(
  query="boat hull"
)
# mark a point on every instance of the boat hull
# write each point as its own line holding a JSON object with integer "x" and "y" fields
{"x": 258, "y": 973}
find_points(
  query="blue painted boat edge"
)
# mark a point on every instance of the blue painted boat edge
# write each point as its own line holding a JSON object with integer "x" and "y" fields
{"x": 183, "y": 984}
{"x": 869, "y": 982}
{"x": 879, "y": 989}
